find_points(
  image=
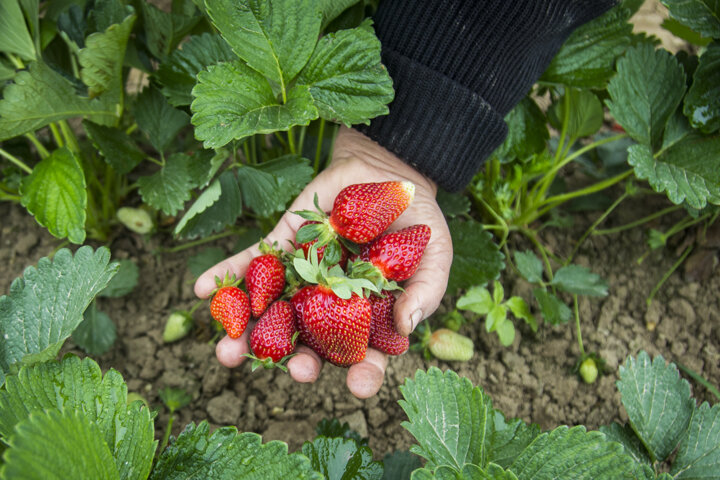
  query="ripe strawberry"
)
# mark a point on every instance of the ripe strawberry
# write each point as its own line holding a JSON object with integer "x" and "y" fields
{"x": 339, "y": 327}
{"x": 272, "y": 337}
{"x": 397, "y": 255}
{"x": 383, "y": 335}
{"x": 321, "y": 250}
{"x": 363, "y": 211}
{"x": 297, "y": 302}
{"x": 231, "y": 307}
{"x": 265, "y": 280}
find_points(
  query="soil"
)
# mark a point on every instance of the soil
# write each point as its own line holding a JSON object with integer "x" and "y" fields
{"x": 531, "y": 379}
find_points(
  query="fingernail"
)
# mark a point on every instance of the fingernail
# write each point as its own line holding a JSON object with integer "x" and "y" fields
{"x": 415, "y": 319}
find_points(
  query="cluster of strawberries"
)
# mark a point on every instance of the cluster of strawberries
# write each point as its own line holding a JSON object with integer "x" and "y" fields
{"x": 339, "y": 281}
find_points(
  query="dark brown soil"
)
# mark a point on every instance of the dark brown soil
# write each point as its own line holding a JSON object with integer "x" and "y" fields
{"x": 532, "y": 379}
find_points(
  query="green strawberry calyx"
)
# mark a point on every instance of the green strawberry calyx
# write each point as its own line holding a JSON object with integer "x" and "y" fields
{"x": 320, "y": 273}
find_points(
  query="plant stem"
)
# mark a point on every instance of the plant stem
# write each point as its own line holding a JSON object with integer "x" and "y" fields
{"x": 301, "y": 142}
{"x": 195, "y": 243}
{"x": 700, "y": 379}
{"x": 291, "y": 140}
{"x": 69, "y": 135}
{"x": 56, "y": 135}
{"x": 318, "y": 148}
{"x": 280, "y": 139}
{"x": 501, "y": 221}
{"x": 636, "y": 223}
{"x": 332, "y": 141}
{"x": 667, "y": 275}
{"x": 16, "y": 61}
{"x": 597, "y": 222}
{"x": 196, "y": 306}
{"x": 246, "y": 151}
{"x": 19, "y": 163}
{"x": 533, "y": 238}
{"x": 168, "y": 429}
{"x": 577, "y": 325}
{"x": 38, "y": 145}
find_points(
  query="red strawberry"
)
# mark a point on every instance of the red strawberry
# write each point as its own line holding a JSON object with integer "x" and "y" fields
{"x": 298, "y": 302}
{"x": 265, "y": 280}
{"x": 340, "y": 327}
{"x": 321, "y": 250}
{"x": 273, "y": 334}
{"x": 231, "y": 307}
{"x": 363, "y": 211}
{"x": 383, "y": 335}
{"x": 397, "y": 255}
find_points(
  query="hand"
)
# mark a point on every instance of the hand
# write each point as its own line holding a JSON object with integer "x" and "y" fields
{"x": 356, "y": 159}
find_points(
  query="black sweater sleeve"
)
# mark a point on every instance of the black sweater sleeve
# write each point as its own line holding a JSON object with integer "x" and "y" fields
{"x": 458, "y": 67}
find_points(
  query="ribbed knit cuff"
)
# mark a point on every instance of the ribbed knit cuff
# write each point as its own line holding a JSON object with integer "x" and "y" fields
{"x": 435, "y": 118}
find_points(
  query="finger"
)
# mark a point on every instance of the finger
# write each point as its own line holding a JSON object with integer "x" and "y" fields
{"x": 364, "y": 379}
{"x": 230, "y": 351}
{"x": 305, "y": 366}
{"x": 424, "y": 290}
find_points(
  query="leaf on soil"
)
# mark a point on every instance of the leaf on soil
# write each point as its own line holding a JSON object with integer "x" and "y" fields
{"x": 573, "y": 453}
{"x": 347, "y": 81}
{"x": 14, "y": 35}
{"x": 40, "y": 95}
{"x": 225, "y": 454}
{"x": 477, "y": 299}
{"x": 553, "y": 310}
{"x": 587, "y": 57}
{"x": 169, "y": 188}
{"x": 339, "y": 458}
{"x": 56, "y": 196}
{"x": 118, "y": 149}
{"x": 78, "y": 385}
{"x": 580, "y": 280}
{"x": 529, "y": 265}
{"x": 648, "y": 87}
{"x": 124, "y": 281}
{"x": 57, "y": 445}
{"x": 527, "y": 132}
{"x": 477, "y": 258}
{"x": 96, "y": 333}
{"x": 47, "y": 303}
{"x": 657, "y": 401}
{"x": 220, "y": 214}
{"x": 703, "y": 16}
{"x": 699, "y": 452}
{"x": 158, "y": 119}
{"x": 232, "y": 101}
{"x": 689, "y": 171}
{"x": 702, "y": 104}
{"x": 177, "y": 74}
{"x": 274, "y": 38}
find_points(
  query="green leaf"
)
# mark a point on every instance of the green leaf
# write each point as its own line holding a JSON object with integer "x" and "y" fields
{"x": 572, "y": 453}
{"x": 689, "y": 171}
{"x": 626, "y": 437}
{"x": 164, "y": 30}
{"x": 342, "y": 459}
{"x": 57, "y": 445}
{"x": 647, "y": 89}
{"x": 585, "y": 113}
{"x": 332, "y": 428}
{"x": 55, "y": 194}
{"x": 79, "y": 385}
{"x": 521, "y": 310}
{"x": 174, "y": 398}
{"x": 177, "y": 74}
{"x": 14, "y": 34}
{"x": 684, "y": 32}
{"x": 158, "y": 119}
{"x": 452, "y": 204}
{"x": 476, "y": 259}
{"x": 580, "y": 280}
{"x": 47, "y": 303}
{"x": 347, "y": 81}
{"x": 119, "y": 150}
{"x": 96, "y": 333}
{"x": 702, "y": 16}
{"x": 496, "y": 316}
{"x": 702, "y": 104}
{"x": 225, "y": 454}
{"x": 527, "y": 132}
{"x": 529, "y": 265}
{"x": 169, "y": 188}
{"x": 331, "y": 9}
{"x": 657, "y": 402}
{"x": 206, "y": 200}
{"x": 102, "y": 59}
{"x": 232, "y": 101}
{"x": 478, "y": 300}
{"x": 587, "y": 57}
{"x": 699, "y": 452}
{"x": 106, "y": 13}
{"x": 124, "y": 281}
{"x": 553, "y": 310}
{"x": 220, "y": 214}
{"x": 274, "y": 37}
{"x": 269, "y": 187}
{"x": 292, "y": 172}
{"x": 204, "y": 259}
{"x": 506, "y": 332}
{"x": 399, "y": 465}
{"x": 39, "y": 95}
{"x": 509, "y": 438}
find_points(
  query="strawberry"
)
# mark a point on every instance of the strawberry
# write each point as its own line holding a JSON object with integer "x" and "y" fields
{"x": 383, "y": 335}
{"x": 397, "y": 255}
{"x": 273, "y": 337}
{"x": 231, "y": 307}
{"x": 363, "y": 211}
{"x": 321, "y": 250}
{"x": 297, "y": 302}
{"x": 450, "y": 346}
{"x": 339, "y": 327}
{"x": 265, "y": 281}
